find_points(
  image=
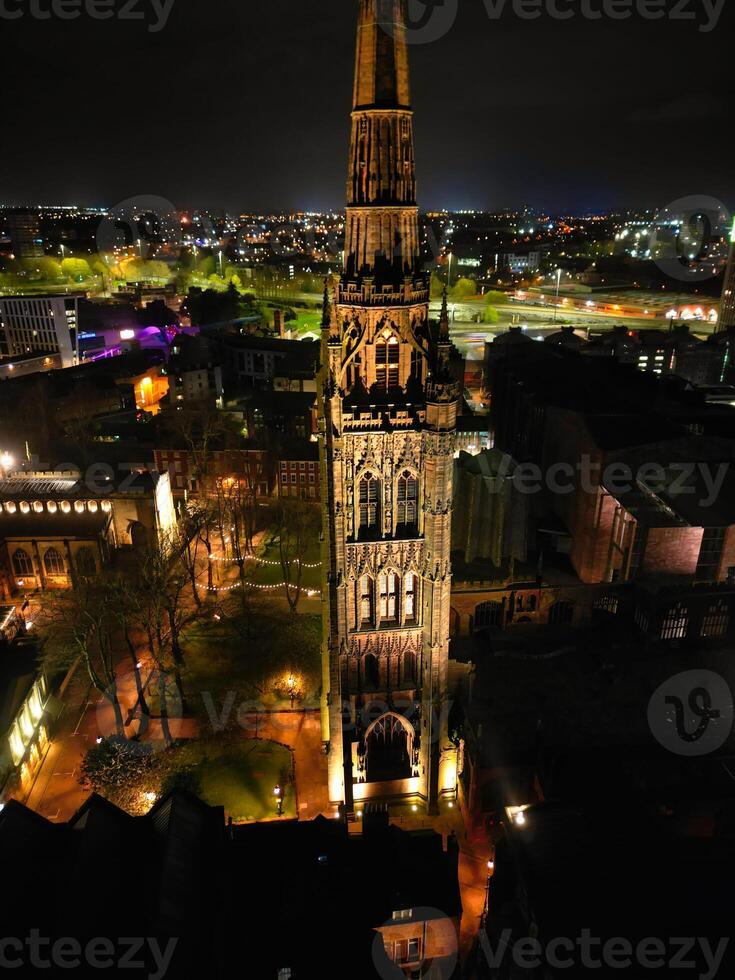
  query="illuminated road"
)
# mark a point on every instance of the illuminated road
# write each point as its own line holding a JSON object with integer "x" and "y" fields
{"x": 469, "y": 335}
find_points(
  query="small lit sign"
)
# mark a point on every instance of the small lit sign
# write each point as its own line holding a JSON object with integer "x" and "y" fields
{"x": 127, "y": 334}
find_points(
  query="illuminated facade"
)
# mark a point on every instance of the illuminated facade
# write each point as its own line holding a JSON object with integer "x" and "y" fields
{"x": 47, "y": 324}
{"x": 23, "y": 698}
{"x": 387, "y": 421}
{"x": 54, "y": 526}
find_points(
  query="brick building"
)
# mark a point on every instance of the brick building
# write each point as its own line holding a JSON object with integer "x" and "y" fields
{"x": 623, "y": 461}
{"x": 253, "y": 466}
{"x": 298, "y": 471}
{"x": 56, "y": 524}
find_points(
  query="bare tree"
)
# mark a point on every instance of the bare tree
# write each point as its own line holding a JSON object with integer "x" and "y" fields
{"x": 193, "y": 532}
{"x": 124, "y": 605}
{"x": 162, "y": 611}
{"x": 296, "y": 523}
{"x": 202, "y": 429}
{"x": 80, "y": 623}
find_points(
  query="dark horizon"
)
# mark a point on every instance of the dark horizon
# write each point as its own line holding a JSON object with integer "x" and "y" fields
{"x": 234, "y": 113}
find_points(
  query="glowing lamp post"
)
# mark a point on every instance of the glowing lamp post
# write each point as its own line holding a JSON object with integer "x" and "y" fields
{"x": 292, "y": 688}
{"x": 279, "y": 799}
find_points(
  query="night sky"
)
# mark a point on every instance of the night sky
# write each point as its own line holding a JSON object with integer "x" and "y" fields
{"x": 244, "y": 104}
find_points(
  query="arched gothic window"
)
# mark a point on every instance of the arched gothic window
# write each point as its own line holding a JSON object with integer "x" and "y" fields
{"x": 369, "y": 505}
{"x": 365, "y": 601}
{"x": 53, "y": 562}
{"x": 22, "y": 564}
{"x": 387, "y": 361}
{"x": 407, "y": 500}
{"x": 410, "y": 597}
{"x": 370, "y": 671}
{"x": 389, "y": 597}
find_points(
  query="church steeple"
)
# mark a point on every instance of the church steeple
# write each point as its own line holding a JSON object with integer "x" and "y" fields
{"x": 382, "y": 233}
{"x": 381, "y": 64}
{"x": 387, "y": 416}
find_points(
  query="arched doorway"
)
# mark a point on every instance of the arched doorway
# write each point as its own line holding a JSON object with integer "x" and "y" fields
{"x": 138, "y": 536}
{"x": 389, "y": 748}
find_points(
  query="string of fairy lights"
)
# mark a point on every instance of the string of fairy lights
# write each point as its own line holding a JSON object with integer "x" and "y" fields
{"x": 255, "y": 585}
{"x": 262, "y": 561}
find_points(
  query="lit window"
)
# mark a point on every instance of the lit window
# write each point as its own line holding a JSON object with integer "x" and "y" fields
{"x": 389, "y": 596}
{"x": 22, "y": 564}
{"x": 408, "y": 490}
{"x": 53, "y": 562}
{"x": 410, "y": 597}
{"x": 675, "y": 622}
{"x": 387, "y": 357}
{"x": 716, "y": 619}
{"x": 366, "y": 600}
{"x": 369, "y": 499}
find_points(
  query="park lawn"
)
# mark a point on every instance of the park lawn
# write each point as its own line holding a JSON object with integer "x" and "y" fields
{"x": 268, "y": 574}
{"x": 307, "y": 321}
{"x": 241, "y": 776}
{"x": 252, "y": 657}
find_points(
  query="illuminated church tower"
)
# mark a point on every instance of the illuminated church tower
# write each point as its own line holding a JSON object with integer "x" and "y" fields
{"x": 388, "y": 412}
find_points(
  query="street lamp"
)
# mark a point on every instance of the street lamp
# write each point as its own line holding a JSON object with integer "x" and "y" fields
{"x": 279, "y": 799}
{"x": 291, "y": 688}
{"x": 490, "y": 871}
{"x": 449, "y": 272}
{"x": 558, "y": 284}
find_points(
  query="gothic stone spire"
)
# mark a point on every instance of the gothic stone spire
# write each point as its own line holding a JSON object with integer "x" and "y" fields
{"x": 382, "y": 235}
{"x": 381, "y": 64}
